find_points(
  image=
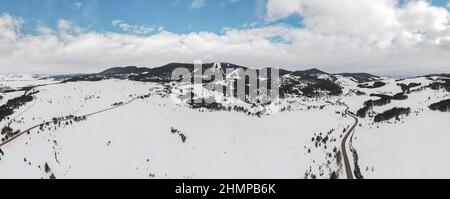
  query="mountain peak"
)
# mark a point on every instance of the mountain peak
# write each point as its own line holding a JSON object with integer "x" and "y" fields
{"x": 124, "y": 70}
{"x": 309, "y": 72}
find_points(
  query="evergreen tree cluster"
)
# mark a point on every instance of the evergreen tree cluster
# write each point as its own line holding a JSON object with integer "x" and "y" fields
{"x": 7, "y": 132}
{"x": 313, "y": 87}
{"x": 374, "y": 85}
{"x": 406, "y": 88}
{"x": 312, "y": 90}
{"x": 392, "y": 113}
{"x": 12, "y": 104}
{"x": 368, "y": 105}
{"x": 85, "y": 78}
{"x": 384, "y": 100}
{"x": 175, "y": 131}
{"x": 443, "y": 106}
{"x": 441, "y": 85}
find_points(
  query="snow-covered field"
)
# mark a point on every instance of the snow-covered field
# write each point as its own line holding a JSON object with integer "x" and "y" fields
{"x": 130, "y": 136}
{"x": 415, "y": 147}
{"x": 135, "y": 140}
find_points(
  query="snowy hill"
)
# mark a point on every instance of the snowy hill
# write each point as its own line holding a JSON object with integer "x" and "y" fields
{"x": 361, "y": 77}
{"x": 310, "y": 72}
{"x": 135, "y": 122}
{"x": 124, "y": 70}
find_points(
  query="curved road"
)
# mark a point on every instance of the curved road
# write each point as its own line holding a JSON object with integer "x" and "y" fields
{"x": 349, "y": 134}
{"x": 348, "y": 168}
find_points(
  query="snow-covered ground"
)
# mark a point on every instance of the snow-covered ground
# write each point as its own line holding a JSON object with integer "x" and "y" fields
{"x": 135, "y": 140}
{"x": 415, "y": 147}
{"x": 16, "y": 81}
{"x": 155, "y": 137}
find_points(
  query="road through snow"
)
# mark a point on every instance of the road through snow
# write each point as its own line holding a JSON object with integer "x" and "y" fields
{"x": 348, "y": 168}
{"x": 38, "y": 125}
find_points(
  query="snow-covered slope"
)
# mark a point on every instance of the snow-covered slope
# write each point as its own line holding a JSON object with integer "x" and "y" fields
{"x": 137, "y": 140}
{"x": 118, "y": 128}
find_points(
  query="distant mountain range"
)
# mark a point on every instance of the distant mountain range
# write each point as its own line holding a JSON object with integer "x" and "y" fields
{"x": 166, "y": 70}
{"x": 125, "y": 70}
{"x": 309, "y": 82}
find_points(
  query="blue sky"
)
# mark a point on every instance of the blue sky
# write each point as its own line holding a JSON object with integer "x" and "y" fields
{"x": 174, "y": 15}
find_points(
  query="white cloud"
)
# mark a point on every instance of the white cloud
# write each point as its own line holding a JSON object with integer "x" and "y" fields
{"x": 64, "y": 25}
{"x": 251, "y": 25}
{"x": 367, "y": 18}
{"x": 135, "y": 29}
{"x": 340, "y": 35}
{"x": 9, "y": 28}
{"x": 278, "y": 9}
{"x": 197, "y": 3}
